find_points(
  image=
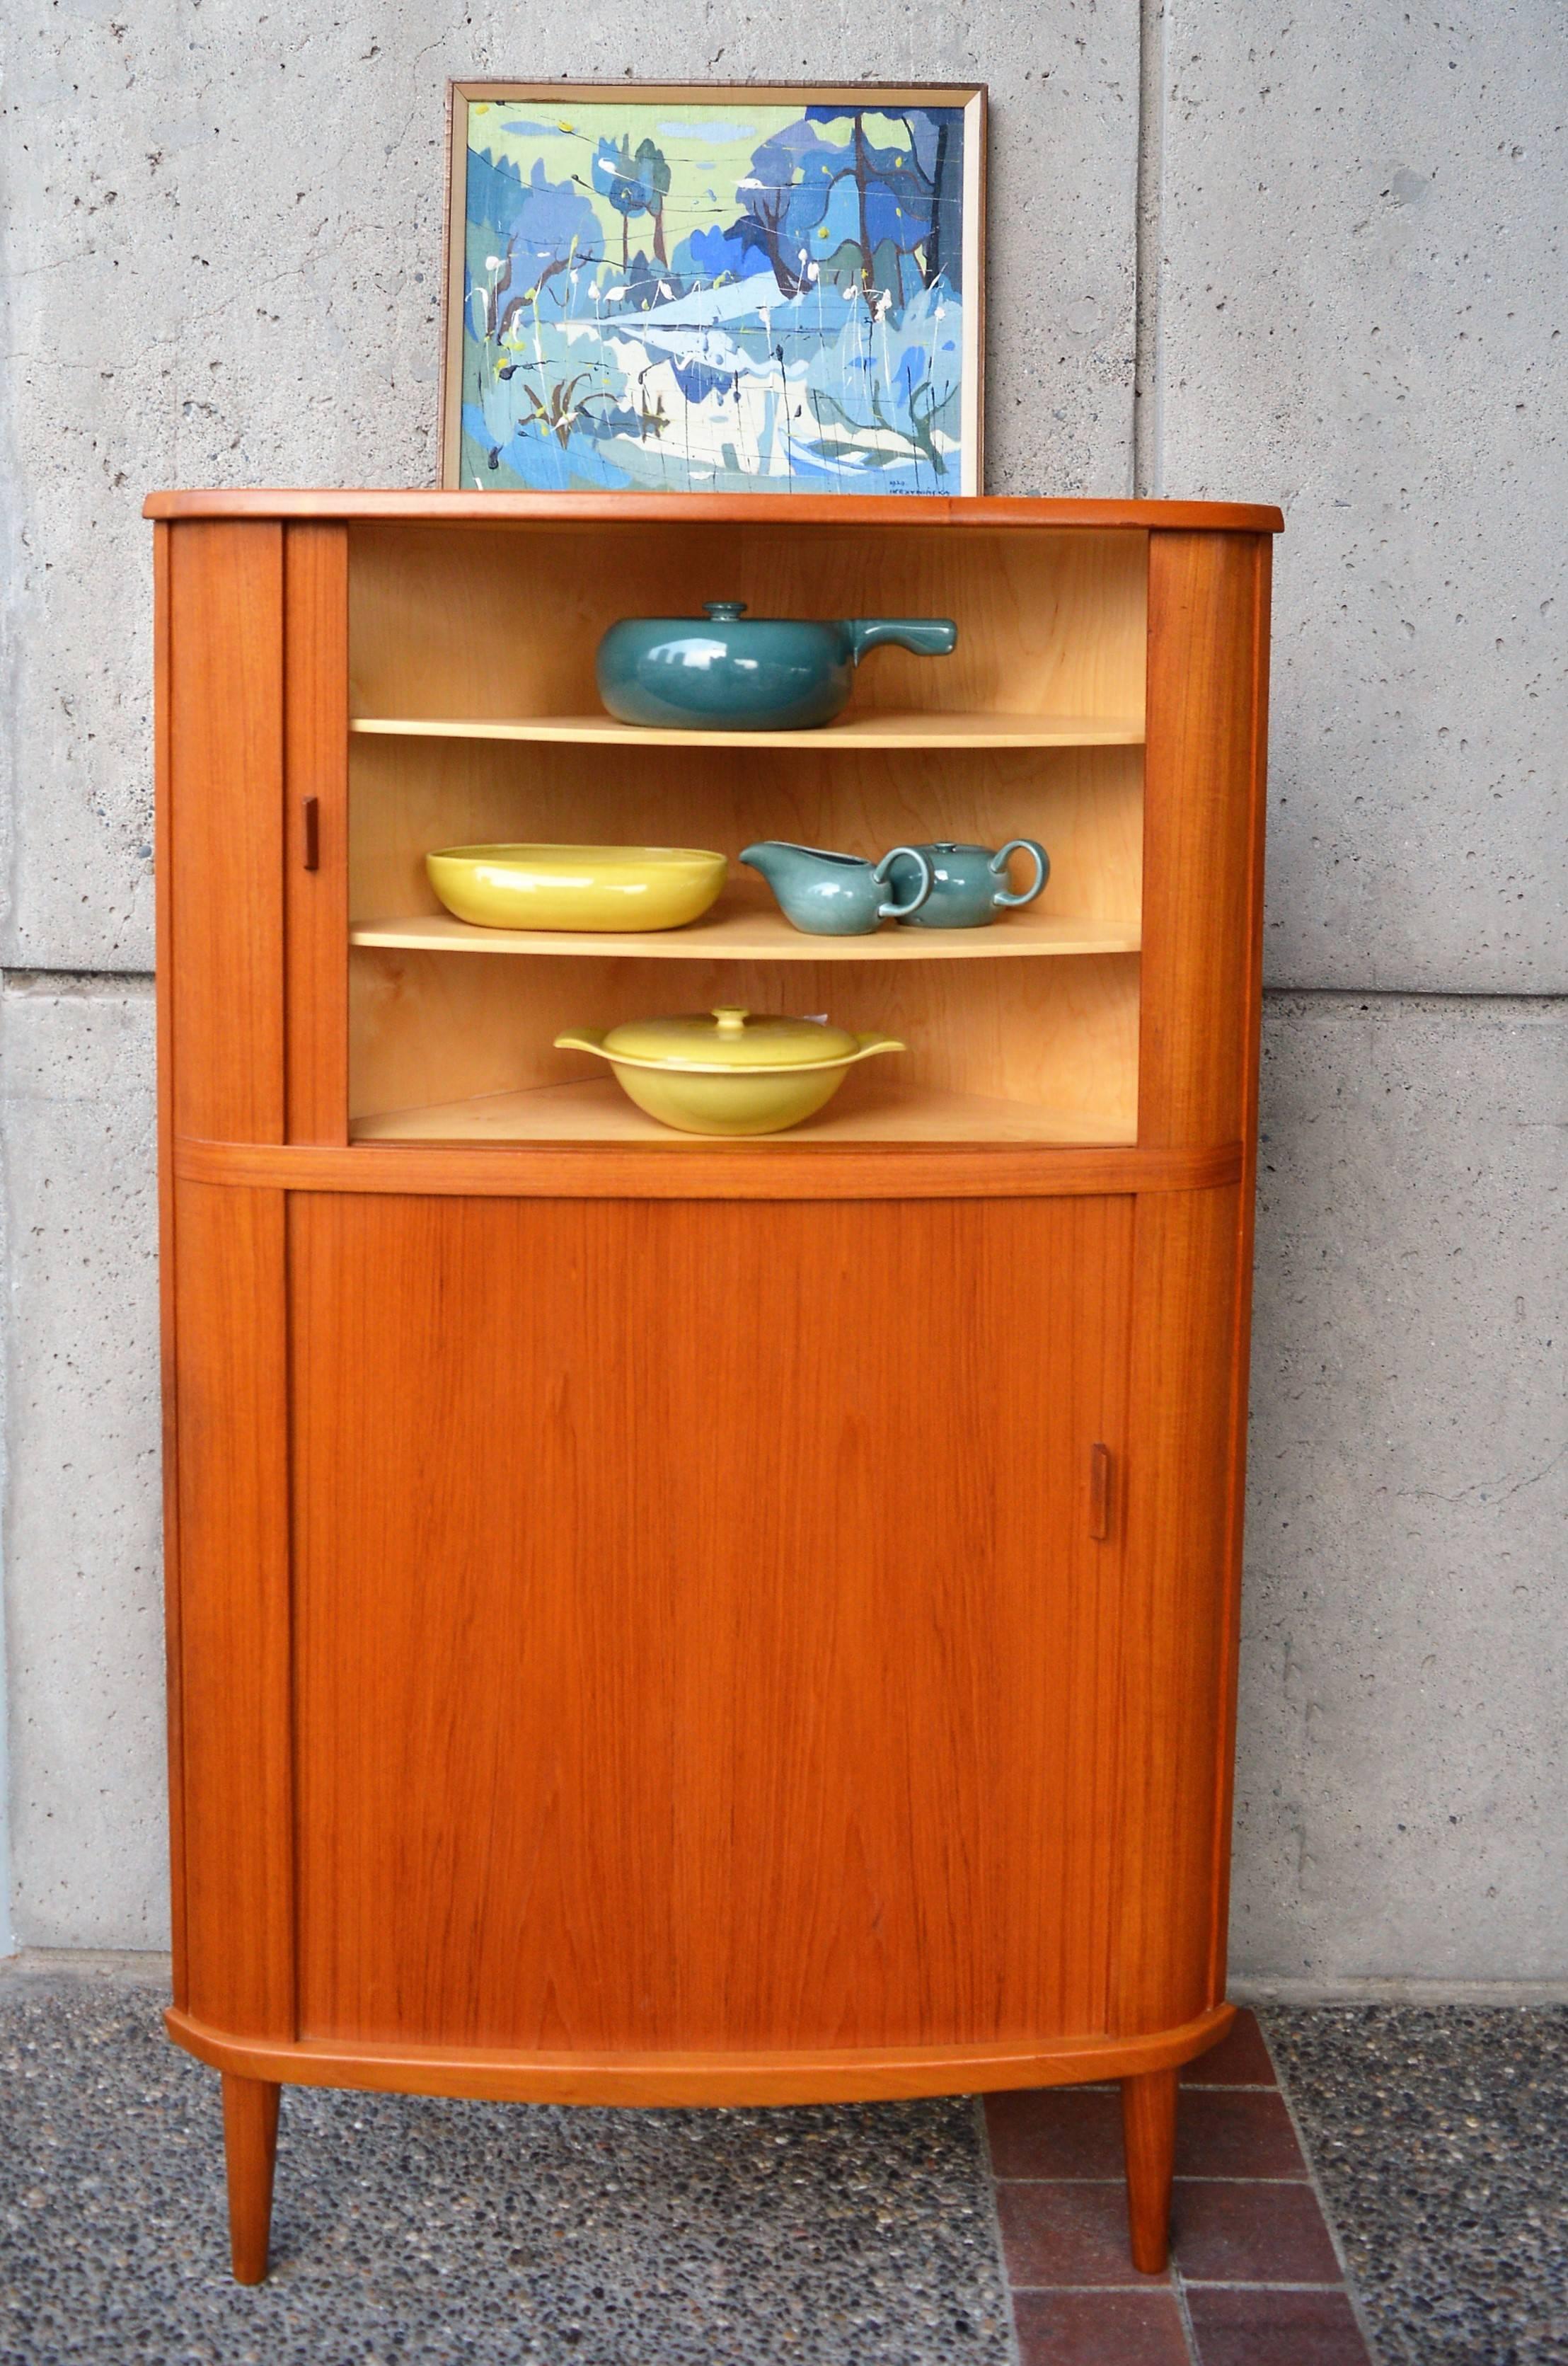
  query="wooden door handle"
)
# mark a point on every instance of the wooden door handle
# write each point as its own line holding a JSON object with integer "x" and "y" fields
{"x": 310, "y": 815}
{"x": 1100, "y": 1492}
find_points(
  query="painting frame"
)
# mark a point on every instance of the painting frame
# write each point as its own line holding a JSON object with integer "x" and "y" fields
{"x": 966, "y": 475}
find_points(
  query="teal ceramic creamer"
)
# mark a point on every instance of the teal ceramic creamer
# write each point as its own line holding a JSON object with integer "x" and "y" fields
{"x": 968, "y": 883}
{"x": 833, "y": 895}
{"x": 741, "y": 673}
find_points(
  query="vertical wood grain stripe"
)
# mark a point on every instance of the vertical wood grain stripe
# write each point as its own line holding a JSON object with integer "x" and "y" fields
{"x": 225, "y": 875}
{"x": 166, "y": 1301}
{"x": 1201, "y": 789}
{"x": 1241, "y": 1347}
{"x": 709, "y": 1757}
{"x": 1177, "y": 1515}
{"x": 232, "y": 1380}
{"x": 316, "y": 674}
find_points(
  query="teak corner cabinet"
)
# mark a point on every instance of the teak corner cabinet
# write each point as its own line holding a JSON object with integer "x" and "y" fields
{"x": 654, "y": 1620}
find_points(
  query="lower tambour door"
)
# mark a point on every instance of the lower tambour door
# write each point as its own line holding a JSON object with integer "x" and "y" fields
{"x": 700, "y": 1635}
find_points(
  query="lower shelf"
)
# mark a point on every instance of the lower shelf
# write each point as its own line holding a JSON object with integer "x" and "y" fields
{"x": 598, "y": 1110}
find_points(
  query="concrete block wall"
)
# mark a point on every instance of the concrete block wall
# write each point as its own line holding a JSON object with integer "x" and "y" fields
{"x": 1308, "y": 254}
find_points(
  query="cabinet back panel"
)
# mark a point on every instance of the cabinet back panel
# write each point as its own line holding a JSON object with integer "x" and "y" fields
{"x": 699, "y": 1638}
{"x": 504, "y": 621}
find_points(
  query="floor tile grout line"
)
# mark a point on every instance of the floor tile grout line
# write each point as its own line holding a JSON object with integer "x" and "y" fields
{"x": 988, "y": 2169}
{"x": 1352, "y": 2292}
{"x": 1256, "y": 2284}
{"x": 1154, "y": 2284}
{"x": 1189, "y": 2330}
{"x": 1185, "y": 2180}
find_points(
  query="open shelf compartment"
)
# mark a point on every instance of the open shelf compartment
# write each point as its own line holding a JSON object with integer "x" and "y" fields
{"x": 1023, "y": 1031}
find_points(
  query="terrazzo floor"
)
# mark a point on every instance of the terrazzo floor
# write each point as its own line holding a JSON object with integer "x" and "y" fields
{"x": 426, "y": 2232}
{"x": 1439, "y": 2136}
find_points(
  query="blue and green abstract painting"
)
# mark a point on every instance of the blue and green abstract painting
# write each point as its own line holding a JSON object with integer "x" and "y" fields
{"x": 713, "y": 299}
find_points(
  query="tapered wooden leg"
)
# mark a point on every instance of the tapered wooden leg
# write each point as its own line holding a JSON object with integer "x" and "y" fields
{"x": 1148, "y": 2134}
{"x": 250, "y": 2145}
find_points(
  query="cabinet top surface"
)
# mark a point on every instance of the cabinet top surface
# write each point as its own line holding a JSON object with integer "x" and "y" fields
{"x": 411, "y": 506}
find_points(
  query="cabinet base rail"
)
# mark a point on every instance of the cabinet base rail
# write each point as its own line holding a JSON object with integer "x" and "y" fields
{"x": 255, "y": 2072}
{"x": 829, "y": 2074}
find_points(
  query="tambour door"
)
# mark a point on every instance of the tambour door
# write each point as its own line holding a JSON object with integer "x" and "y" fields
{"x": 701, "y": 1636}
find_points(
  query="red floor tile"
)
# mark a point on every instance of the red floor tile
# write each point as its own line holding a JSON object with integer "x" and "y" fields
{"x": 1111, "y": 2328}
{"x": 1251, "y": 2235}
{"x": 1241, "y": 2060}
{"x": 1056, "y": 2131}
{"x": 1275, "y": 2328}
{"x": 1224, "y": 2132}
{"x": 1066, "y": 2235}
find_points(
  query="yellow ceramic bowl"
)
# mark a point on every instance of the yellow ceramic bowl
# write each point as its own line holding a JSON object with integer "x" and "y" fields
{"x": 728, "y": 1077}
{"x": 749, "y": 1101}
{"x": 600, "y": 889}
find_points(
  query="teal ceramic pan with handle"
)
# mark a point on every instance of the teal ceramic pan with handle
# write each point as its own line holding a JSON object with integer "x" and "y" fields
{"x": 740, "y": 674}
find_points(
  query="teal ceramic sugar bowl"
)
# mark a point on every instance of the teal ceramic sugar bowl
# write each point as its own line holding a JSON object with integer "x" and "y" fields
{"x": 970, "y": 885}
{"x": 741, "y": 673}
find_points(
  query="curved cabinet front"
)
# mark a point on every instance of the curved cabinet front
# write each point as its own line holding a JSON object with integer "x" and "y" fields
{"x": 699, "y": 1625}
{"x": 780, "y": 1642}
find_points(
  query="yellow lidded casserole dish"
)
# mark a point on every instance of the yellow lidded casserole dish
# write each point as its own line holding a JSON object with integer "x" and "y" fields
{"x": 727, "y": 1073}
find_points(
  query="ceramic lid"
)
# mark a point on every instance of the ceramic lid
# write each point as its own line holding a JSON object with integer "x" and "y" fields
{"x": 731, "y": 1039}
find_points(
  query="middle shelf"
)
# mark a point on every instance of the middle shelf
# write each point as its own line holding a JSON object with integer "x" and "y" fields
{"x": 752, "y": 933}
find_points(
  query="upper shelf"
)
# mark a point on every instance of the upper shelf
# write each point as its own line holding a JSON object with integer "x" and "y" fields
{"x": 754, "y": 934}
{"x": 868, "y": 729}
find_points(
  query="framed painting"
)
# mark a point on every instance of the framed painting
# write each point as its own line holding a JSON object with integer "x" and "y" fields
{"x": 667, "y": 288}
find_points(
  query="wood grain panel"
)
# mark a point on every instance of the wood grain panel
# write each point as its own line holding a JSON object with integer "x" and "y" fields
{"x": 1241, "y": 1344}
{"x": 1180, "y": 1546}
{"x": 316, "y": 627}
{"x": 230, "y": 1384}
{"x": 225, "y": 873}
{"x": 1202, "y": 832}
{"x": 167, "y": 1304}
{"x": 700, "y": 1638}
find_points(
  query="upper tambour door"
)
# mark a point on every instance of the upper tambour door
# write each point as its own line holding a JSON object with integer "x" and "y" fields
{"x": 700, "y": 1638}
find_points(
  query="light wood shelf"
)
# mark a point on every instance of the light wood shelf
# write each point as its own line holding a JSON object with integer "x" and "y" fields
{"x": 750, "y": 933}
{"x": 598, "y": 1110}
{"x": 867, "y": 730}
